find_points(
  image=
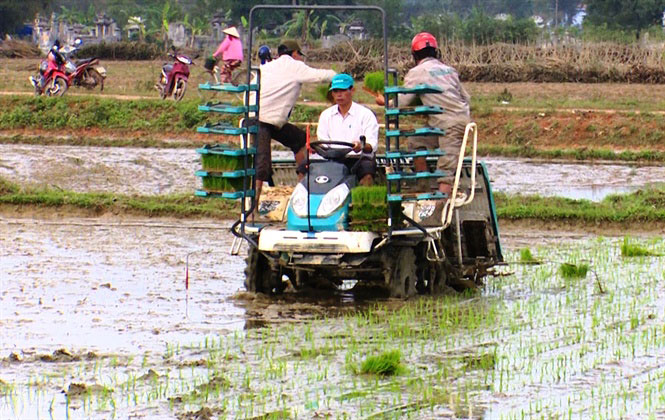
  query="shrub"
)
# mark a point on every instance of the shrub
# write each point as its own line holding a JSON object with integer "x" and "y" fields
{"x": 121, "y": 51}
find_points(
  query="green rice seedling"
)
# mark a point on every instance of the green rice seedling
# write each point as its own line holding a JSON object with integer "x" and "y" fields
{"x": 485, "y": 361}
{"x": 324, "y": 94}
{"x": 369, "y": 209}
{"x": 219, "y": 184}
{"x": 375, "y": 81}
{"x": 220, "y": 162}
{"x": 385, "y": 364}
{"x": 526, "y": 256}
{"x": 572, "y": 271}
{"x": 632, "y": 250}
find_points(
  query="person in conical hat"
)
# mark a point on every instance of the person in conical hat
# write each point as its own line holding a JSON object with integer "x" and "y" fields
{"x": 230, "y": 51}
{"x": 231, "y": 30}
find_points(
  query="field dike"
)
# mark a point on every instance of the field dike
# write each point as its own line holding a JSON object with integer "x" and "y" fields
{"x": 547, "y": 134}
{"x": 537, "y": 341}
{"x": 641, "y": 207}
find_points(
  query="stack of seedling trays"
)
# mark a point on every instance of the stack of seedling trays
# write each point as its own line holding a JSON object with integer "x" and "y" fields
{"x": 223, "y": 171}
{"x": 396, "y": 157}
{"x": 227, "y": 169}
{"x": 369, "y": 209}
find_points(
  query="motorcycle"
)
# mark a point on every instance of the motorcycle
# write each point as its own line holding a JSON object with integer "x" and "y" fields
{"x": 173, "y": 79}
{"x": 58, "y": 77}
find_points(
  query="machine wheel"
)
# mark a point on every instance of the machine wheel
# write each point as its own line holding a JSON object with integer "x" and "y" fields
{"x": 179, "y": 89}
{"x": 259, "y": 277}
{"x": 58, "y": 88}
{"x": 428, "y": 274}
{"x": 403, "y": 276}
{"x": 93, "y": 78}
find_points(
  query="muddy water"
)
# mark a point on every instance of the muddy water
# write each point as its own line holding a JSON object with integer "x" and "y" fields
{"x": 98, "y": 308}
{"x": 164, "y": 171}
{"x": 114, "y": 286}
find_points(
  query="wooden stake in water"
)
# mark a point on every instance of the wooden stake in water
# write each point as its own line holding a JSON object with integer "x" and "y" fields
{"x": 187, "y": 285}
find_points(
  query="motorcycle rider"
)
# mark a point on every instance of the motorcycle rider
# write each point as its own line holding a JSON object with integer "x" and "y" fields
{"x": 454, "y": 100}
{"x": 264, "y": 54}
{"x": 54, "y": 56}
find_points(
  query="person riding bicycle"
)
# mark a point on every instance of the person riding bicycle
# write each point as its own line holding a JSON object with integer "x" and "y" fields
{"x": 230, "y": 51}
{"x": 264, "y": 54}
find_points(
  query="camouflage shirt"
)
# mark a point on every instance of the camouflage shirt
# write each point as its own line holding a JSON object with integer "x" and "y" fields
{"x": 454, "y": 99}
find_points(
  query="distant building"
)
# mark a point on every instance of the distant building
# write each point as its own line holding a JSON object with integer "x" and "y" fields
{"x": 46, "y": 31}
{"x": 356, "y": 30}
{"x": 578, "y": 17}
{"x": 538, "y": 20}
{"x": 178, "y": 34}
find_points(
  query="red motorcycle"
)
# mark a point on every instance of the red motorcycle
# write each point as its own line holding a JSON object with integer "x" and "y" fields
{"x": 173, "y": 80}
{"x": 58, "y": 73}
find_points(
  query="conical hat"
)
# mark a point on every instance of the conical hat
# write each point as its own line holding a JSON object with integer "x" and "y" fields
{"x": 232, "y": 31}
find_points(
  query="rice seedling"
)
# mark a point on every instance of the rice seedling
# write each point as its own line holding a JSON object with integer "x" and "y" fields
{"x": 375, "y": 81}
{"x": 386, "y": 364}
{"x": 524, "y": 337}
{"x": 221, "y": 163}
{"x": 632, "y": 250}
{"x": 526, "y": 256}
{"x": 369, "y": 209}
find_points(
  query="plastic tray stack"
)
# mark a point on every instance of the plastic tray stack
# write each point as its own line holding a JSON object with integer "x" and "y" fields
{"x": 396, "y": 157}
{"x": 227, "y": 170}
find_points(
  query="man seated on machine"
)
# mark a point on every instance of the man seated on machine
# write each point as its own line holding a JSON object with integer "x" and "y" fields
{"x": 347, "y": 121}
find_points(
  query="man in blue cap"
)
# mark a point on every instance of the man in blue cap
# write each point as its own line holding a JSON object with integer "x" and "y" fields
{"x": 347, "y": 121}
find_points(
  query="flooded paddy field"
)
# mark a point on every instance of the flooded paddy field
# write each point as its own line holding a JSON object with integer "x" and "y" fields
{"x": 96, "y": 323}
{"x": 146, "y": 171}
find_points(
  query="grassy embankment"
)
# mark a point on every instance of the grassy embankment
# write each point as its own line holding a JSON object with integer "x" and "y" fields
{"x": 534, "y": 127}
{"x": 642, "y": 206}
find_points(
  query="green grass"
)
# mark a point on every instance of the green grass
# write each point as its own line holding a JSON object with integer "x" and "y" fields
{"x": 629, "y": 249}
{"x": 385, "y": 364}
{"x": 638, "y": 207}
{"x": 143, "y": 141}
{"x": 71, "y": 112}
{"x": 179, "y": 205}
{"x": 572, "y": 154}
{"x": 641, "y": 206}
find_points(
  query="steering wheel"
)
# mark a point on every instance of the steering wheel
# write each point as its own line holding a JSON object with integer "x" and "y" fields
{"x": 325, "y": 148}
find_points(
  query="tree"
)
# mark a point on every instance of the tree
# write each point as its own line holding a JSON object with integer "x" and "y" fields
{"x": 13, "y": 14}
{"x": 635, "y": 15}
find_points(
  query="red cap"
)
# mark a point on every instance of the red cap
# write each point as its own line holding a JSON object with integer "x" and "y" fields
{"x": 423, "y": 40}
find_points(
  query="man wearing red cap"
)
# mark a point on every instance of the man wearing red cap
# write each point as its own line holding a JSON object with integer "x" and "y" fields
{"x": 454, "y": 100}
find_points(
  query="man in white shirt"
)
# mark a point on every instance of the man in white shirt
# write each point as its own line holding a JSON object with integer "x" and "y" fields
{"x": 347, "y": 121}
{"x": 281, "y": 80}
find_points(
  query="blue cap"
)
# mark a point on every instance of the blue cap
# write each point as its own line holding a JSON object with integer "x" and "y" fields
{"x": 341, "y": 81}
